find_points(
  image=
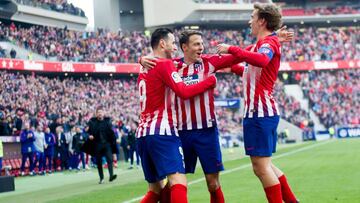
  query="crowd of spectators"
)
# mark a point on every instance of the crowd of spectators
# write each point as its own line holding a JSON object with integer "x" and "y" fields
{"x": 332, "y": 10}
{"x": 309, "y": 44}
{"x": 40, "y": 99}
{"x": 55, "y": 5}
{"x": 334, "y": 95}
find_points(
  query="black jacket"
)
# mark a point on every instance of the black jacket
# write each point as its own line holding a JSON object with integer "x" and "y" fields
{"x": 102, "y": 131}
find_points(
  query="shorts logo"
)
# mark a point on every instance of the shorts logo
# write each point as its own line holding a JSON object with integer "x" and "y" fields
{"x": 176, "y": 77}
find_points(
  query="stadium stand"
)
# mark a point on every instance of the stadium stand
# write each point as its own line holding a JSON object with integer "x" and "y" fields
{"x": 55, "y": 5}
{"x": 335, "y": 43}
{"x": 334, "y": 95}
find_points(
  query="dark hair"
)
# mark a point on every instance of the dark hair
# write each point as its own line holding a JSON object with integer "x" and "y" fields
{"x": 159, "y": 34}
{"x": 271, "y": 14}
{"x": 185, "y": 35}
{"x": 99, "y": 108}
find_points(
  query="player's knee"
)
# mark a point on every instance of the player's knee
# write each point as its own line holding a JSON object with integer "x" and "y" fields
{"x": 213, "y": 186}
{"x": 177, "y": 178}
{"x": 260, "y": 170}
{"x": 212, "y": 181}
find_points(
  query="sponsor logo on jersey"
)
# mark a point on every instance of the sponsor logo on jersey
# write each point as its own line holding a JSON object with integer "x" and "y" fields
{"x": 176, "y": 77}
{"x": 191, "y": 79}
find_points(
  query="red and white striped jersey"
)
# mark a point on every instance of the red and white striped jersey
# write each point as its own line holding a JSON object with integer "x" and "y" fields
{"x": 198, "y": 112}
{"x": 157, "y": 89}
{"x": 258, "y": 82}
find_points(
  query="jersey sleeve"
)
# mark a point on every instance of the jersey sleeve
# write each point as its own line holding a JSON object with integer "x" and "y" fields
{"x": 172, "y": 79}
{"x": 223, "y": 61}
{"x": 237, "y": 69}
{"x": 260, "y": 59}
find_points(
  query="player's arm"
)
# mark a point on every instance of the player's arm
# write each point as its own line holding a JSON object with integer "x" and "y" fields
{"x": 237, "y": 69}
{"x": 169, "y": 75}
{"x": 223, "y": 61}
{"x": 259, "y": 59}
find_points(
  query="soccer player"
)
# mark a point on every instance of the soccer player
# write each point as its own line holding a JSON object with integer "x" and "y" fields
{"x": 196, "y": 116}
{"x": 157, "y": 136}
{"x": 261, "y": 115}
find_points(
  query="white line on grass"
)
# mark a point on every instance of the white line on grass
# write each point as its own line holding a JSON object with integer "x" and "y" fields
{"x": 246, "y": 166}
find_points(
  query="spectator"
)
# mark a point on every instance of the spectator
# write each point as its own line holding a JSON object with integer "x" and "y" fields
{"x": 12, "y": 53}
{"x": 49, "y": 150}
{"x": 27, "y": 139}
{"x": 78, "y": 141}
{"x": 131, "y": 141}
{"x": 39, "y": 144}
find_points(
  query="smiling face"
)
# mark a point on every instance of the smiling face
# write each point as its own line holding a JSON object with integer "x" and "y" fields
{"x": 194, "y": 48}
{"x": 255, "y": 23}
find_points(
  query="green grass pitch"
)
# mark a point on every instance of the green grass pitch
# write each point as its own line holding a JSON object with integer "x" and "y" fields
{"x": 319, "y": 172}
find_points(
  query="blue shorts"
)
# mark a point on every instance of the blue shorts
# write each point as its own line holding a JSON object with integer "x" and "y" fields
{"x": 260, "y": 135}
{"x": 202, "y": 143}
{"x": 161, "y": 155}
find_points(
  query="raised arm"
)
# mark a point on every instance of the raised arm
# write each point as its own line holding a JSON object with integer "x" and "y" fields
{"x": 172, "y": 79}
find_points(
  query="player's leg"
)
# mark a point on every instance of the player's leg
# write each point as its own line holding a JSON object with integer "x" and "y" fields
{"x": 259, "y": 145}
{"x": 178, "y": 188}
{"x": 207, "y": 147}
{"x": 287, "y": 194}
{"x": 153, "y": 194}
{"x": 166, "y": 152}
{"x": 262, "y": 169}
{"x": 155, "y": 183}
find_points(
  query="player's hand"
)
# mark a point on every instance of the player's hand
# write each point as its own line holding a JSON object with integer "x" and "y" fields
{"x": 148, "y": 62}
{"x": 284, "y": 35}
{"x": 91, "y": 137}
{"x": 223, "y": 48}
{"x": 215, "y": 79}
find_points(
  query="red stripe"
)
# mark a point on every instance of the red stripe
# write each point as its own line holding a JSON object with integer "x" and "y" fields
{"x": 183, "y": 110}
{"x": 273, "y": 105}
{"x": 169, "y": 109}
{"x": 193, "y": 113}
{"x": 210, "y": 95}
{"x": 203, "y": 113}
{"x": 158, "y": 122}
{"x": 177, "y": 111}
{"x": 248, "y": 91}
{"x": 263, "y": 101}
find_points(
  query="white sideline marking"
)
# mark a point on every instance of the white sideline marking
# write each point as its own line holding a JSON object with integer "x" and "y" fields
{"x": 245, "y": 166}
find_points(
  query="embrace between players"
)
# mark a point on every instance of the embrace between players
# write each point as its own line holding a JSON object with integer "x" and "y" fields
{"x": 177, "y": 122}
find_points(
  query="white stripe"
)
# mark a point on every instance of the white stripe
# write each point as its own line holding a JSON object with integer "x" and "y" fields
{"x": 148, "y": 118}
{"x": 153, "y": 122}
{"x": 277, "y": 108}
{"x": 245, "y": 74}
{"x": 207, "y": 108}
{"x": 188, "y": 114}
{"x": 180, "y": 121}
{"x": 260, "y": 108}
{"x": 197, "y": 100}
{"x": 268, "y": 103}
{"x": 252, "y": 71}
{"x": 173, "y": 109}
{"x": 198, "y": 112}
{"x": 163, "y": 124}
{"x": 187, "y": 102}
{"x": 248, "y": 165}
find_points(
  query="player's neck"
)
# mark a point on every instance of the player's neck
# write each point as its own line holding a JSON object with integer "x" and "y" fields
{"x": 262, "y": 34}
{"x": 159, "y": 54}
{"x": 188, "y": 60}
